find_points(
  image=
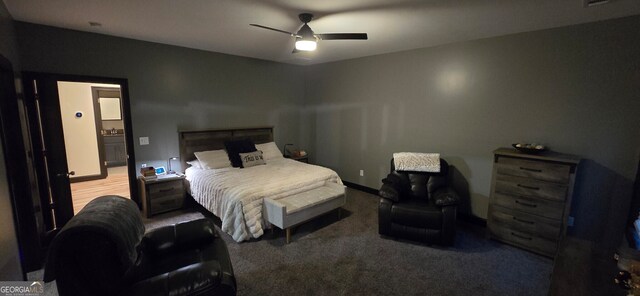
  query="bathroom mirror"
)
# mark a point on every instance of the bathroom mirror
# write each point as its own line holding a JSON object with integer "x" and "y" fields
{"x": 110, "y": 109}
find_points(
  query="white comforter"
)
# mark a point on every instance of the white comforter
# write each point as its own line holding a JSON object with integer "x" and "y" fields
{"x": 235, "y": 195}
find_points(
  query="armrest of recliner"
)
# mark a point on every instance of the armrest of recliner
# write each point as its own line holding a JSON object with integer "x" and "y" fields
{"x": 195, "y": 279}
{"x": 391, "y": 187}
{"x": 179, "y": 236}
{"x": 390, "y": 192}
{"x": 445, "y": 196}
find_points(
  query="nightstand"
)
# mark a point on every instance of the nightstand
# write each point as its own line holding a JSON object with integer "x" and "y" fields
{"x": 161, "y": 195}
{"x": 304, "y": 159}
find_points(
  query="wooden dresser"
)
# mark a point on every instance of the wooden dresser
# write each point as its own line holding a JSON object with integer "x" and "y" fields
{"x": 531, "y": 198}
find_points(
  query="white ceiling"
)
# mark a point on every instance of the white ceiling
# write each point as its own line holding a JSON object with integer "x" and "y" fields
{"x": 392, "y": 25}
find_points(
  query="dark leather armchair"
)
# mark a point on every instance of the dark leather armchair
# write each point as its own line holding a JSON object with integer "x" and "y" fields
{"x": 104, "y": 250}
{"x": 418, "y": 206}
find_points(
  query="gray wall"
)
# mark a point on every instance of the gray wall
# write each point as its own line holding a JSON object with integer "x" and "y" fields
{"x": 173, "y": 88}
{"x": 575, "y": 89}
{"x": 10, "y": 268}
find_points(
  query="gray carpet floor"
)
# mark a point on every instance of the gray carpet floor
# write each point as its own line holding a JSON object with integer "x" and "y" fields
{"x": 328, "y": 256}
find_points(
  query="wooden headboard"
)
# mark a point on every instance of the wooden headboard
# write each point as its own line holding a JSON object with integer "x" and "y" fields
{"x": 194, "y": 141}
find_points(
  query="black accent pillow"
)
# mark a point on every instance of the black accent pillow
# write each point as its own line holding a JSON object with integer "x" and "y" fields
{"x": 235, "y": 147}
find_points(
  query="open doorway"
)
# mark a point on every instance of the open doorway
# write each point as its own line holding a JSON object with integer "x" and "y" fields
{"x": 94, "y": 138}
{"x": 79, "y": 151}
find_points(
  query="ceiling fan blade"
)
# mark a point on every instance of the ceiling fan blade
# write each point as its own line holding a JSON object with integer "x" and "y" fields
{"x": 274, "y": 29}
{"x": 343, "y": 36}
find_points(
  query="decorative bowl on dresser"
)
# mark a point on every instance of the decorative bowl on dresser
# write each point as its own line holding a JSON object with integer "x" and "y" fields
{"x": 161, "y": 195}
{"x": 531, "y": 198}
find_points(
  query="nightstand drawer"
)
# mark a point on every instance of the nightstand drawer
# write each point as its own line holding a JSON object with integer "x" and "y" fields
{"x": 523, "y": 239}
{"x": 167, "y": 203}
{"x": 538, "y": 170}
{"x": 530, "y": 188}
{"x": 165, "y": 188}
{"x": 537, "y": 206}
{"x": 540, "y": 226}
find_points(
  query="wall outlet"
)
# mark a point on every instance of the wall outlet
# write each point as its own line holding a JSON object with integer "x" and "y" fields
{"x": 144, "y": 165}
{"x": 570, "y": 221}
{"x": 144, "y": 141}
{"x": 361, "y": 173}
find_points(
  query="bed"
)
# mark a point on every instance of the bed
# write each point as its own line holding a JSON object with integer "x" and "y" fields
{"x": 236, "y": 195}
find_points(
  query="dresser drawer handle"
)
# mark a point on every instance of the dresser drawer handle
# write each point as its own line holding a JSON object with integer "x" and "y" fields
{"x": 166, "y": 190}
{"x": 531, "y": 170}
{"x": 524, "y": 221}
{"x": 526, "y": 204}
{"x": 529, "y": 187}
{"x": 520, "y": 236}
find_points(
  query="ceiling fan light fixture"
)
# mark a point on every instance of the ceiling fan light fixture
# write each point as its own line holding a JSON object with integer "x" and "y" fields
{"x": 307, "y": 40}
{"x": 306, "y": 45}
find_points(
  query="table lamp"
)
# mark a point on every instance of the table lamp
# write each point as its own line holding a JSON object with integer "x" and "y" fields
{"x": 169, "y": 165}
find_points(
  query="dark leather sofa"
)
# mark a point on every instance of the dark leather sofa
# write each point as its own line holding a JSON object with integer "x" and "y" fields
{"x": 418, "y": 206}
{"x": 104, "y": 250}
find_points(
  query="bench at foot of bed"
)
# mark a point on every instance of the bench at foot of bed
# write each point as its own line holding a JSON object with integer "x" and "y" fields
{"x": 295, "y": 209}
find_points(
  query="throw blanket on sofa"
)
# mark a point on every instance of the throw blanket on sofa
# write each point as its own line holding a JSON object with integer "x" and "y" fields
{"x": 417, "y": 162}
{"x": 112, "y": 218}
{"x": 236, "y": 195}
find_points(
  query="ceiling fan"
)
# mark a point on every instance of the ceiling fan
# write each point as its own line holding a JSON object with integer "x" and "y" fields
{"x": 306, "y": 39}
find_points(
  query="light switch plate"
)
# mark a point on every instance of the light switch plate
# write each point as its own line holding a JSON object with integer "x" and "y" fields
{"x": 144, "y": 141}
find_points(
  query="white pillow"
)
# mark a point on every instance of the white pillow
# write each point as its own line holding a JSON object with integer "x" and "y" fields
{"x": 252, "y": 159}
{"x": 195, "y": 164}
{"x": 213, "y": 159}
{"x": 269, "y": 150}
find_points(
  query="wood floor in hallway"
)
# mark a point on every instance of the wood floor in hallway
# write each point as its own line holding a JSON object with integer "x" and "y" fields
{"x": 116, "y": 183}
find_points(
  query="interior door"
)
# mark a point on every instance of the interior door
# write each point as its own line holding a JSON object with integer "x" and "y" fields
{"x": 41, "y": 93}
{"x": 18, "y": 235}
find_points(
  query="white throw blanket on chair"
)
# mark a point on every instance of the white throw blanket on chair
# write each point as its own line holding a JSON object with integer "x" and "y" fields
{"x": 417, "y": 162}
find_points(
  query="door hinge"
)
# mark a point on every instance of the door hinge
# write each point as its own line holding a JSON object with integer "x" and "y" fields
{"x": 52, "y": 205}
